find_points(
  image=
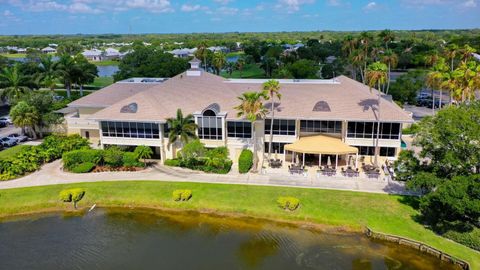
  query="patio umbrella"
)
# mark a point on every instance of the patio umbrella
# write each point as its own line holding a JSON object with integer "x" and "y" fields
{"x": 329, "y": 162}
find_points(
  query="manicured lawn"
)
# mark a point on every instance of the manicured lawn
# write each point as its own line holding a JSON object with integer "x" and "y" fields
{"x": 11, "y": 151}
{"x": 230, "y": 54}
{"x": 250, "y": 71}
{"x": 14, "y": 55}
{"x": 102, "y": 81}
{"x": 383, "y": 213}
{"x": 106, "y": 63}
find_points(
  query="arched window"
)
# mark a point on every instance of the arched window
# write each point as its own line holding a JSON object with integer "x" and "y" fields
{"x": 209, "y": 112}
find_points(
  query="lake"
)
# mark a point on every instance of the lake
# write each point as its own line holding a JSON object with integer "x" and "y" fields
{"x": 141, "y": 239}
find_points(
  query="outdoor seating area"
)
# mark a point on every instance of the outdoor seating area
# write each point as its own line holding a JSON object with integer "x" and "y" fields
{"x": 296, "y": 169}
{"x": 327, "y": 171}
{"x": 371, "y": 171}
{"x": 349, "y": 172}
{"x": 275, "y": 163}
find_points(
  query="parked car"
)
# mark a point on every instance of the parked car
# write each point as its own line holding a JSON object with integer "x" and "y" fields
{"x": 6, "y": 120}
{"x": 8, "y": 142}
{"x": 18, "y": 137}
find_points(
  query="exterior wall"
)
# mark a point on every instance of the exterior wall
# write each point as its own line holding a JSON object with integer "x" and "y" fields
{"x": 131, "y": 141}
{"x": 371, "y": 142}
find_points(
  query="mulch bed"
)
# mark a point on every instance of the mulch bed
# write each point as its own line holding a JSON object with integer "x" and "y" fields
{"x": 117, "y": 169}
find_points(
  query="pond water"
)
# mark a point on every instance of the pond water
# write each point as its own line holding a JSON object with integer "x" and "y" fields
{"x": 127, "y": 239}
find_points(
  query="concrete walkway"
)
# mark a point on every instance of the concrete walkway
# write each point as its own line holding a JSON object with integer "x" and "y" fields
{"x": 52, "y": 173}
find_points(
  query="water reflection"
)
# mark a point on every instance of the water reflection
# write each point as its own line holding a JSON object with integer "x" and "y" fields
{"x": 127, "y": 239}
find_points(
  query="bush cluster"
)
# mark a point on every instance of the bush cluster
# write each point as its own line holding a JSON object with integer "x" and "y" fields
{"x": 288, "y": 203}
{"x": 182, "y": 195}
{"x": 195, "y": 156}
{"x": 72, "y": 195}
{"x": 245, "y": 161}
{"x": 79, "y": 161}
{"x": 30, "y": 158}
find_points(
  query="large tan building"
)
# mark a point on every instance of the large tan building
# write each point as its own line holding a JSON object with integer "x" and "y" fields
{"x": 313, "y": 117}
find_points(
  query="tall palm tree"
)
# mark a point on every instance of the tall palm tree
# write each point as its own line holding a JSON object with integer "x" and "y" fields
{"x": 240, "y": 64}
{"x": 466, "y": 78}
{"x": 466, "y": 53}
{"x": 202, "y": 52}
{"x": 387, "y": 36}
{"x": 219, "y": 61}
{"x": 48, "y": 75}
{"x": 182, "y": 129}
{"x": 366, "y": 40}
{"x": 272, "y": 90}
{"x": 86, "y": 72}
{"x": 348, "y": 46}
{"x": 376, "y": 77}
{"x": 25, "y": 116}
{"x": 451, "y": 53}
{"x": 251, "y": 107}
{"x": 14, "y": 83}
{"x": 391, "y": 60}
{"x": 68, "y": 72}
{"x": 358, "y": 60}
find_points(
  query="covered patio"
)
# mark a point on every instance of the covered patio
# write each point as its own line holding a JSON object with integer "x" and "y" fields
{"x": 321, "y": 149}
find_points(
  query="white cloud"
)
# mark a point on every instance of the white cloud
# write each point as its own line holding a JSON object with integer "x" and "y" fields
{"x": 370, "y": 6}
{"x": 83, "y": 8}
{"x": 223, "y": 2}
{"x": 157, "y": 6}
{"x": 334, "y": 2}
{"x": 470, "y": 4}
{"x": 227, "y": 10}
{"x": 190, "y": 8}
{"x": 454, "y": 3}
{"x": 291, "y": 6}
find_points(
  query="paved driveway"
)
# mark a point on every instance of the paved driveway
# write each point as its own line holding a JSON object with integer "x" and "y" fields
{"x": 51, "y": 174}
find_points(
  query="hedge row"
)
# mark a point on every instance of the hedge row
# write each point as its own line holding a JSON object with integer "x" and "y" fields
{"x": 29, "y": 159}
{"x": 245, "y": 161}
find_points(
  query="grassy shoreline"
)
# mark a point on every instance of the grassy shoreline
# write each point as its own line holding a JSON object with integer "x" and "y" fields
{"x": 351, "y": 211}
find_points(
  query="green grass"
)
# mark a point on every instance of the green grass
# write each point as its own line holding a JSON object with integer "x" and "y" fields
{"x": 250, "y": 71}
{"x": 14, "y": 55}
{"x": 383, "y": 213}
{"x": 102, "y": 81}
{"x": 11, "y": 151}
{"x": 106, "y": 63}
{"x": 230, "y": 54}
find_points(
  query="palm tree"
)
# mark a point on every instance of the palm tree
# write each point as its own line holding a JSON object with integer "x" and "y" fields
{"x": 230, "y": 67}
{"x": 181, "y": 128}
{"x": 47, "y": 76}
{"x": 451, "y": 52}
{"x": 143, "y": 152}
{"x": 358, "y": 60}
{"x": 240, "y": 65}
{"x": 272, "y": 90}
{"x": 219, "y": 61}
{"x": 251, "y": 107}
{"x": 68, "y": 71}
{"x": 14, "y": 81}
{"x": 435, "y": 78}
{"x": 348, "y": 46}
{"x": 466, "y": 53}
{"x": 466, "y": 78}
{"x": 391, "y": 60}
{"x": 86, "y": 72}
{"x": 202, "y": 52}
{"x": 365, "y": 40}
{"x": 387, "y": 36}
{"x": 376, "y": 77}
{"x": 25, "y": 116}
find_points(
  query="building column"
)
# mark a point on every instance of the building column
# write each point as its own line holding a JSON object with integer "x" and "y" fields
{"x": 303, "y": 161}
{"x": 224, "y": 130}
{"x": 336, "y": 161}
{"x": 319, "y": 160}
{"x": 356, "y": 161}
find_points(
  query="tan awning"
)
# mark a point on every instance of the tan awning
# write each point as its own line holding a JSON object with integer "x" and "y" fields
{"x": 321, "y": 144}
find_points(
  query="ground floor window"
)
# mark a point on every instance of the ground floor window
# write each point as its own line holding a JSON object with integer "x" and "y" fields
{"x": 277, "y": 147}
{"x": 370, "y": 151}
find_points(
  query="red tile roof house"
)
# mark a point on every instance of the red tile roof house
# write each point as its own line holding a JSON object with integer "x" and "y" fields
{"x": 340, "y": 111}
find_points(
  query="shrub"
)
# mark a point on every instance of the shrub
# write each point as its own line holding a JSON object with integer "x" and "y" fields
{"x": 412, "y": 129}
{"x": 172, "y": 162}
{"x": 182, "y": 195}
{"x": 470, "y": 239}
{"x": 218, "y": 152}
{"x": 83, "y": 167}
{"x": 143, "y": 152}
{"x": 73, "y": 158}
{"x": 72, "y": 195}
{"x": 113, "y": 156}
{"x": 131, "y": 160}
{"x": 290, "y": 203}
{"x": 193, "y": 149}
{"x": 245, "y": 161}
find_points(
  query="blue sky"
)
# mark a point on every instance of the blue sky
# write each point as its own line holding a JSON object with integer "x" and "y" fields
{"x": 185, "y": 16}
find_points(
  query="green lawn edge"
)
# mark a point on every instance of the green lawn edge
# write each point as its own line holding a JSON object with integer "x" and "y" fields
{"x": 10, "y": 152}
{"x": 381, "y": 212}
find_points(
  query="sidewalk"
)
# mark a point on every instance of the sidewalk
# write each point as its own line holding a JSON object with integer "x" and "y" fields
{"x": 51, "y": 174}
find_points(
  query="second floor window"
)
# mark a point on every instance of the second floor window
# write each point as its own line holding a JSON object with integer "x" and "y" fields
{"x": 130, "y": 130}
{"x": 209, "y": 126}
{"x": 239, "y": 129}
{"x": 280, "y": 127}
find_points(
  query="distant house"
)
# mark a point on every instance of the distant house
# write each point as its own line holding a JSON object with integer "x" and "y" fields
{"x": 330, "y": 59}
{"x": 93, "y": 55}
{"x": 53, "y": 45}
{"x": 111, "y": 54}
{"x": 49, "y": 50}
{"x": 218, "y": 49}
{"x": 183, "y": 53}
{"x": 16, "y": 49}
{"x": 476, "y": 56}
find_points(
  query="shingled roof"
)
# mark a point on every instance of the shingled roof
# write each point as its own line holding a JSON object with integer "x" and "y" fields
{"x": 346, "y": 98}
